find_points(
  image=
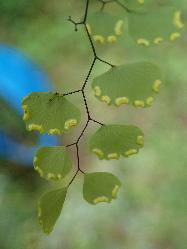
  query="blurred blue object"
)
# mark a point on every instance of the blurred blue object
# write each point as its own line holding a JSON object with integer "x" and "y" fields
{"x": 19, "y": 76}
{"x": 20, "y": 153}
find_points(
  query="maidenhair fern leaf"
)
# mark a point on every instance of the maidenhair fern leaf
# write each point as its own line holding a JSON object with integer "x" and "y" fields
{"x": 49, "y": 113}
{"x": 100, "y": 187}
{"x": 49, "y": 208}
{"x": 134, "y": 84}
{"x": 112, "y": 141}
{"x": 52, "y": 163}
{"x": 105, "y": 28}
{"x": 156, "y": 26}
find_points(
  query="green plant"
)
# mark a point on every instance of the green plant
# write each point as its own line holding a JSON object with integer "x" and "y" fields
{"x": 135, "y": 84}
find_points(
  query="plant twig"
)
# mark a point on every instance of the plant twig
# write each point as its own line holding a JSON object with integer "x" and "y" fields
{"x": 104, "y": 2}
{"x": 82, "y": 90}
{"x": 96, "y": 58}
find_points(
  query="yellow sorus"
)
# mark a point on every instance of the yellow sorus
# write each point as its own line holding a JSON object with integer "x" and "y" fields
{"x": 106, "y": 99}
{"x": 131, "y": 152}
{"x": 139, "y": 103}
{"x": 51, "y": 176}
{"x": 59, "y": 176}
{"x": 35, "y": 159}
{"x": 26, "y": 116}
{"x": 25, "y": 98}
{"x": 113, "y": 156}
{"x": 99, "y": 38}
{"x": 177, "y": 20}
{"x": 174, "y": 36}
{"x": 35, "y": 127}
{"x": 115, "y": 191}
{"x": 39, "y": 212}
{"x": 140, "y": 140}
{"x": 54, "y": 131}
{"x": 97, "y": 91}
{"x": 121, "y": 101}
{"x": 98, "y": 152}
{"x": 156, "y": 85}
{"x": 141, "y": 1}
{"x": 158, "y": 40}
{"x": 111, "y": 39}
{"x": 39, "y": 170}
{"x": 149, "y": 101}
{"x": 101, "y": 199}
{"x": 54, "y": 176}
{"x": 89, "y": 28}
{"x": 119, "y": 27}
{"x": 26, "y": 113}
{"x": 70, "y": 123}
{"x": 46, "y": 229}
{"x": 144, "y": 42}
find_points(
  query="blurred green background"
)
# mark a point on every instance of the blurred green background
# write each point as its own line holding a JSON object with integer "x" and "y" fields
{"x": 151, "y": 211}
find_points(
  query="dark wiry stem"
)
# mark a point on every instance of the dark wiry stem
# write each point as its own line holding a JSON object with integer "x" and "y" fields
{"x": 123, "y": 6}
{"x": 82, "y": 90}
{"x": 104, "y": 2}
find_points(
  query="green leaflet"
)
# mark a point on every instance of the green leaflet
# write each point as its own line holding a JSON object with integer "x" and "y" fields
{"x": 100, "y": 187}
{"x": 52, "y": 163}
{"x": 134, "y": 84}
{"x": 49, "y": 113}
{"x": 111, "y": 141}
{"x": 49, "y": 208}
{"x": 154, "y": 27}
{"x": 105, "y": 28}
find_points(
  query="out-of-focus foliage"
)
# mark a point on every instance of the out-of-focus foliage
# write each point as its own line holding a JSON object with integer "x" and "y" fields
{"x": 151, "y": 211}
{"x": 9, "y": 117}
{"x": 22, "y": 8}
